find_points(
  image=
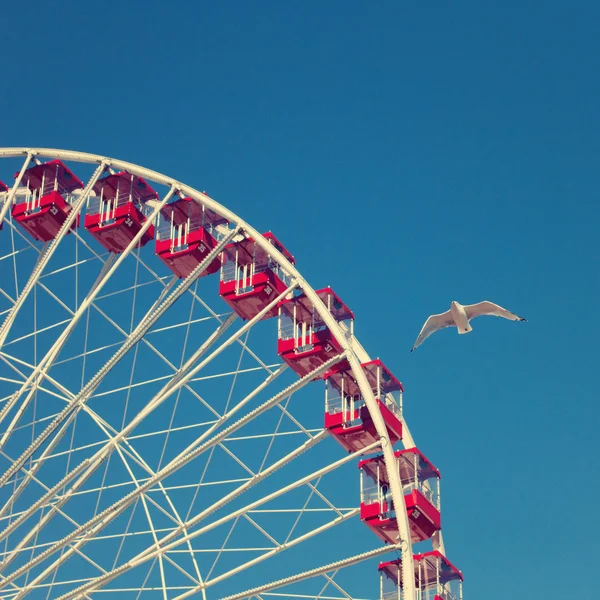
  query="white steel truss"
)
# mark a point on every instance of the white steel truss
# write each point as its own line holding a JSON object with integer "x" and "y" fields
{"x": 124, "y": 470}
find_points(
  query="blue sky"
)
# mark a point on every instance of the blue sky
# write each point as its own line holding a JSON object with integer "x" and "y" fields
{"x": 407, "y": 156}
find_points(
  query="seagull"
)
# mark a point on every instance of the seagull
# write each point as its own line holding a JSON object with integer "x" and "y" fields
{"x": 459, "y": 316}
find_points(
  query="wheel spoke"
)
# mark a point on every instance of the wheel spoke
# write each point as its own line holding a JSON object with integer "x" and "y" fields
{"x": 151, "y": 317}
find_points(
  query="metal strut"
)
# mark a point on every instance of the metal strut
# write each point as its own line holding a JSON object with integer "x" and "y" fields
{"x": 47, "y": 255}
{"x": 132, "y": 340}
{"x": 83, "y": 533}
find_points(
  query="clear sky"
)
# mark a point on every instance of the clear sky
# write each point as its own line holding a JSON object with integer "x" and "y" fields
{"x": 407, "y": 156}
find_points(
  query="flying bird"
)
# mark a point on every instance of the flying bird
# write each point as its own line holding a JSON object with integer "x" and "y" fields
{"x": 459, "y": 316}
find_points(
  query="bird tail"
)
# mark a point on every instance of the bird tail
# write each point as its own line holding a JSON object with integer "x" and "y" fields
{"x": 468, "y": 328}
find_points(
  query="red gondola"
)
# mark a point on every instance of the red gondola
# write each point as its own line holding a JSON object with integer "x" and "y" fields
{"x": 186, "y": 234}
{"x": 250, "y": 278}
{"x": 436, "y": 578}
{"x": 421, "y": 495}
{"x": 118, "y": 211}
{"x": 346, "y": 416}
{"x": 304, "y": 341}
{"x": 48, "y": 195}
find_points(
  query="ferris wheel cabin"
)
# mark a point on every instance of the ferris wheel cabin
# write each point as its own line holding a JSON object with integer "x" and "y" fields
{"x": 436, "y": 578}
{"x": 304, "y": 341}
{"x": 118, "y": 211}
{"x": 186, "y": 234}
{"x": 250, "y": 278}
{"x": 48, "y": 191}
{"x": 347, "y": 418}
{"x": 420, "y": 486}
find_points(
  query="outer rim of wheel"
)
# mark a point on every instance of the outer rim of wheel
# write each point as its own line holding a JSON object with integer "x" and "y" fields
{"x": 355, "y": 353}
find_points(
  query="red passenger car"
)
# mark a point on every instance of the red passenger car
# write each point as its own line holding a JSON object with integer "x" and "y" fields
{"x": 436, "y": 578}
{"x": 250, "y": 278}
{"x": 420, "y": 485}
{"x": 347, "y": 417}
{"x": 186, "y": 234}
{"x": 46, "y": 203}
{"x": 118, "y": 211}
{"x": 304, "y": 341}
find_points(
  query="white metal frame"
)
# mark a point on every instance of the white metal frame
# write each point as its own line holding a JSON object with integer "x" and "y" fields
{"x": 351, "y": 350}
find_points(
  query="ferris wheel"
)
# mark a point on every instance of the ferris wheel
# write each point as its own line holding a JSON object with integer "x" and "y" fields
{"x": 183, "y": 415}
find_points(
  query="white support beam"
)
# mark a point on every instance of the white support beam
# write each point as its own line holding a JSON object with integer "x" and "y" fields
{"x": 50, "y": 250}
{"x": 169, "y": 542}
{"x": 11, "y": 194}
{"x": 340, "y": 564}
{"x": 281, "y": 548}
{"x": 108, "y": 270}
{"x": 82, "y": 534}
{"x": 84, "y": 470}
{"x": 136, "y": 335}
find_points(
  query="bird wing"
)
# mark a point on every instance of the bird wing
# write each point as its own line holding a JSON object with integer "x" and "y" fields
{"x": 489, "y": 308}
{"x": 433, "y": 323}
